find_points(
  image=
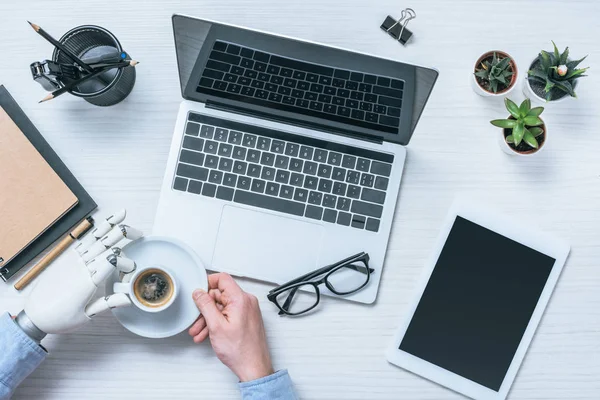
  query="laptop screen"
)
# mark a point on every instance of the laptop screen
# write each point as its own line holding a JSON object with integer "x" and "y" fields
{"x": 300, "y": 82}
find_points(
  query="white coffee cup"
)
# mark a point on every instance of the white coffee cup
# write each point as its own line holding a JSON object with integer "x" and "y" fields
{"x": 151, "y": 289}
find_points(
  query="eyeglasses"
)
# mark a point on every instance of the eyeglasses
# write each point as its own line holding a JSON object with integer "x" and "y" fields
{"x": 342, "y": 278}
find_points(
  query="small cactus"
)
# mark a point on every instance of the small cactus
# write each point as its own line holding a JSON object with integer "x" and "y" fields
{"x": 497, "y": 74}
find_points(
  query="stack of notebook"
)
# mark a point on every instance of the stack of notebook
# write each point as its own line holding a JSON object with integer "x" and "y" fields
{"x": 40, "y": 200}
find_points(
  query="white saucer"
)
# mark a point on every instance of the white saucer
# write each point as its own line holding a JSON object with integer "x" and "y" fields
{"x": 190, "y": 274}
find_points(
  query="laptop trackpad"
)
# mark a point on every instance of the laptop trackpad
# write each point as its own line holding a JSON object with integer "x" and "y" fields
{"x": 265, "y": 246}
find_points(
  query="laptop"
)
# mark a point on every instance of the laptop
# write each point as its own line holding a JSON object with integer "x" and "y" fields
{"x": 287, "y": 155}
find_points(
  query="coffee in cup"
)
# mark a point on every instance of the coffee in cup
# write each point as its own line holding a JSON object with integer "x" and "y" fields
{"x": 151, "y": 289}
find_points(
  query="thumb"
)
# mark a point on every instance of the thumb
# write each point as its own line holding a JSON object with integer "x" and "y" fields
{"x": 207, "y": 307}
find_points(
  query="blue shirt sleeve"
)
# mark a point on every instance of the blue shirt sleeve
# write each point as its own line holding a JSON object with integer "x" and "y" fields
{"x": 278, "y": 386}
{"x": 19, "y": 356}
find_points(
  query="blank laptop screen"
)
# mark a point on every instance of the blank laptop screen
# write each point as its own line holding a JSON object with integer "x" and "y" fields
{"x": 477, "y": 304}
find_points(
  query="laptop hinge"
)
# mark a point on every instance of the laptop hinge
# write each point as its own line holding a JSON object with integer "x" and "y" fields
{"x": 293, "y": 121}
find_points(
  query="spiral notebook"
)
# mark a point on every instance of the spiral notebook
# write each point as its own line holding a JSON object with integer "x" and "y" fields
{"x": 40, "y": 200}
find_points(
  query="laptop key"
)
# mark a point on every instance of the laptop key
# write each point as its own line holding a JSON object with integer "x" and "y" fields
{"x": 263, "y": 143}
{"x": 380, "y": 168}
{"x": 209, "y": 190}
{"x": 249, "y": 140}
{"x": 313, "y": 212}
{"x": 292, "y": 149}
{"x": 390, "y": 121}
{"x": 244, "y": 183}
{"x": 343, "y": 204}
{"x": 193, "y": 143}
{"x": 311, "y": 182}
{"x": 348, "y": 161}
{"x": 324, "y": 171}
{"x": 211, "y": 147}
{"x": 372, "y": 225}
{"x": 296, "y": 165}
{"x": 353, "y": 192}
{"x": 306, "y": 152}
{"x": 258, "y": 185}
{"x": 363, "y": 164}
{"x": 272, "y": 189}
{"x": 315, "y": 198}
{"x": 329, "y": 201}
{"x": 221, "y": 134}
{"x": 180, "y": 184}
{"x": 239, "y": 167}
{"x": 339, "y": 189}
{"x": 253, "y": 156}
{"x": 277, "y": 146}
{"x": 195, "y": 187}
{"x": 320, "y": 156}
{"x": 191, "y": 171}
{"x": 358, "y": 221}
{"x": 381, "y": 183}
{"x": 191, "y": 157}
{"x": 235, "y": 137}
{"x": 310, "y": 168}
{"x": 225, "y": 164}
{"x": 334, "y": 158}
{"x": 368, "y": 209}
{"x": 353, "y": 177}
{"x": 344, "y": 218}
{"x": 374, "y": 196}
{"x": 229, "y": 180}
{"x": 325, "y": 185}
{"x": 296, "y": 179}
{"x": 282, "y": 176}
{"x": 192, "y": 129}
{"x": 254, "y": 170}
{"x": 366, "y": 180}
{"x": 225, "y": 150}
{"x": 239, "y": 153}
{"x": 267, "y": 159}
{"x": 207, "y": 131}
{"x": 224, "y": 193}
{"x": 329, "y": 215}
{"x": 338, "y": 174}
{"x": 211, "y": 161}
{"x": 215, "y": 177}
{"x": 286, "y": 192}
{"x": 282, "y": 161}
{"x": 268, "y": 173}
{"x": 269, "y": 203}
{"x": 300, "y": 195}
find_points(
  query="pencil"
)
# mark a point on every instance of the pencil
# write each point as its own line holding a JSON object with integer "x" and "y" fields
{"x": 72, "y": 85}
{"x": 60, "y": 46}
{"x": 78, "y": 232}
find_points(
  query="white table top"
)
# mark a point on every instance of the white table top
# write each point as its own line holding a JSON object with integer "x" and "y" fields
{"x": 119, "y": 155}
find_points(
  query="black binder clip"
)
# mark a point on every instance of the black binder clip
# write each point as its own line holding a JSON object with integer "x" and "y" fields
{"x": 397, "y": 29}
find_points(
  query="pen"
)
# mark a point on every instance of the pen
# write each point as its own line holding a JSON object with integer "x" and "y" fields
{"x": 60, "y": 46}
{"x": 78, "y": 232}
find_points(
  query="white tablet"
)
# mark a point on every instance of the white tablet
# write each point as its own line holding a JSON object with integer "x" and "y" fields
{"x": 481, "y": 298}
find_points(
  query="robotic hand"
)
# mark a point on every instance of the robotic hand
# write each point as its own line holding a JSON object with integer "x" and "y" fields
{"x": 62, "y": 299}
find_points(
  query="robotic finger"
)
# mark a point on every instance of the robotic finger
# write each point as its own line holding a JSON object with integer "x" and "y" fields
{"x": 107, "y": 303}
{"x": 102, "y": 228}
{"x": 119, "y": 236}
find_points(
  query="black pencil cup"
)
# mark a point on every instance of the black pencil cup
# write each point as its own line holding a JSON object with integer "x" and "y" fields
{"x": 108, "y": 88}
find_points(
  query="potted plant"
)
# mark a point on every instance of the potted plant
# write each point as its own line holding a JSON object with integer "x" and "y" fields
{"x": 494, "y": 74}
{"x": 523, "y": 132}
{"x": 552, "y": 76}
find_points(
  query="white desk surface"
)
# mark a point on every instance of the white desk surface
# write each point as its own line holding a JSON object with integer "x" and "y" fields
{"x": 119, "y": 155}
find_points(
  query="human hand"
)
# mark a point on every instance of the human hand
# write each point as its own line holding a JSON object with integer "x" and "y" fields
{"x": 231, "y": 318}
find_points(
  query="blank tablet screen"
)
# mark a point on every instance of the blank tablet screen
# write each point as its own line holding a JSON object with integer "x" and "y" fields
{"x": 477, "y": 304}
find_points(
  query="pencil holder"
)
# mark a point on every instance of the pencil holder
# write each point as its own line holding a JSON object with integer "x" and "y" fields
{"x": 108, "y": 88}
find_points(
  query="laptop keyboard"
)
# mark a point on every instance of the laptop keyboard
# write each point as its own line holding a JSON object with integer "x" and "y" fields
{"x": 283, "y": 172}
{"x": 241, "y": 73}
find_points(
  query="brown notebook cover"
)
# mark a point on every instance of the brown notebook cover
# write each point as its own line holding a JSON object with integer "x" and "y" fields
{"x": 33, "y": 195}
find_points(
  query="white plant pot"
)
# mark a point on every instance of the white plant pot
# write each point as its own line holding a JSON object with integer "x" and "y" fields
{"x": 505, "y": 147}
{"x": 530, "y": 94}
{"x": 484, "y": 93}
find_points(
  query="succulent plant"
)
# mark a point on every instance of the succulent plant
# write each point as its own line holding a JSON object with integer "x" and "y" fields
{"x": 556, "y": 71}
{"x": 525, "y": 123}
{"x": 496, "y": 73}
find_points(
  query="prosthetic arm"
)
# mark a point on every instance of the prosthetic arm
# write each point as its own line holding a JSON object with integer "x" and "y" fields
{"x": 62, "y": 300}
